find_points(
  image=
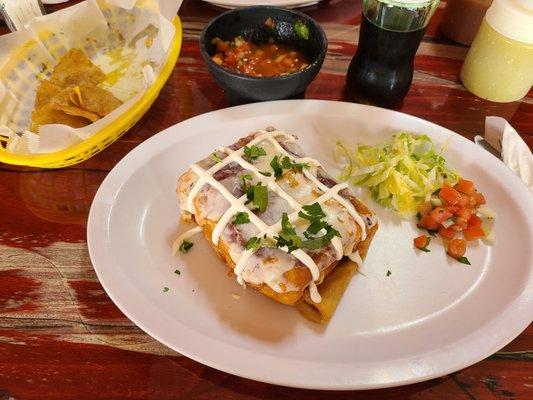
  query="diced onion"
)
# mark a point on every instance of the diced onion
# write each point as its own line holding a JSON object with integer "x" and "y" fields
{"x": 486, "y": 212}
{"x": 490, "y": 238}
{"x": 449, "y": 222}
{"x": 435, "y": 201}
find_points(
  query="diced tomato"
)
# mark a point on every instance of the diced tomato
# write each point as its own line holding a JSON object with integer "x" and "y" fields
{"x": 463, "y": 200}
{"x": 231, "y": 59}
{"x": 471, "y": 201}
{"x": 464, "y": 212}
{"x": 447, "y": 233}
{"x": 456, "y": 248}
{"x": 243, "y": 48}
{"x": 460, "y": 224}
{"x": 426, "y": 222}
{"x": 465, "y": 186}
{"x": 449, "y": 194}
{"x": 425, "y": 208}
{"x": 421, "y": 241}
{"x": 474, "y": 221}
{"x": 474, "y": 232}
{"x": 479, "y": 198}
{"x": 440, "y": 214}
{"x": 222, "y": 46}
{"x": 452, "y": 209}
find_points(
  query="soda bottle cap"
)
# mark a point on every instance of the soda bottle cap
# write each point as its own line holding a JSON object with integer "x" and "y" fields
{"x": 512, "y": 18}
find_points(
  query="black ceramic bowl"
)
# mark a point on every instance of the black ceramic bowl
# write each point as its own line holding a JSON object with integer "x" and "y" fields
{"x": 249, "y": 22}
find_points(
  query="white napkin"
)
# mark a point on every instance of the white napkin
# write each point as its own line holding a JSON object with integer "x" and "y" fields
{"x": 515, "y": 152}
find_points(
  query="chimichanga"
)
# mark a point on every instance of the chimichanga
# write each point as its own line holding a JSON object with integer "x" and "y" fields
{"x": 283, "y": 226}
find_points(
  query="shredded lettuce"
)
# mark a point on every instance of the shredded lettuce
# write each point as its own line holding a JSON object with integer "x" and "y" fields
{"x": 401, "y": 173}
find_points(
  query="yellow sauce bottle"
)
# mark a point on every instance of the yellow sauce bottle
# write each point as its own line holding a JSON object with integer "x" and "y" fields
{"x": 499, "y": 64}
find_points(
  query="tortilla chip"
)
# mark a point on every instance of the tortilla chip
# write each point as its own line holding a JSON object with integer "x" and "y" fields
{"x": 71, "y": 96}
{"x": 75, "y": 68}
{"x": 94, "y": 99}
{"x": 76, "y": 111}
{"x": 45, "y": 115}
{"x": 45, "y": 92}
{"x": 62, "y": 102}
{"x": 75, "y": 96}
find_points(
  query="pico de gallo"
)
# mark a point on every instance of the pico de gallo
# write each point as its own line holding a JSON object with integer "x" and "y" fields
{"x": 453, "y": 213}
{"x": 258, "y": 59}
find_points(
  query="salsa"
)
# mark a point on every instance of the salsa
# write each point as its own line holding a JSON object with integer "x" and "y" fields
{"x": 262, "y": 59}
{"x": 452, "y": 212}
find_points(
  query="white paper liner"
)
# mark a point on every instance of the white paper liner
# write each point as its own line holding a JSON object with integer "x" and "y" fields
{"x": 515, "y": 152}
{"x": 128, "y": 39}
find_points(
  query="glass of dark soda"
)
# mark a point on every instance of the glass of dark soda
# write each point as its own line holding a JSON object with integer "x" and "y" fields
{"x": 381, "y": 71}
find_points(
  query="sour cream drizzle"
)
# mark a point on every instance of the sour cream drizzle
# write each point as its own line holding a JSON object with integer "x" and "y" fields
{"x": 356, "y": 258}
{"x": 238, "y": 204}
{"x": 184, "y": 236}
{"x": 313, "y": 293}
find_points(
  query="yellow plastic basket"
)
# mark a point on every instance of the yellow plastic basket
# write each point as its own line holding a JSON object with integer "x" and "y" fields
{"x": 103, "y": 138}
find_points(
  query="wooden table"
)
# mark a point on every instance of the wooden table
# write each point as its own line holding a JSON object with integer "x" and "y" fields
{"x": 61, "y": 337}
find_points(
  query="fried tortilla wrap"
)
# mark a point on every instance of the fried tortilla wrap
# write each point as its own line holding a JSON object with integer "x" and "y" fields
{"x": 281, "y": 224}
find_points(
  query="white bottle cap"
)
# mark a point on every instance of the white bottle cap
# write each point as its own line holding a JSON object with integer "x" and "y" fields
{"x": 512, "y": 18}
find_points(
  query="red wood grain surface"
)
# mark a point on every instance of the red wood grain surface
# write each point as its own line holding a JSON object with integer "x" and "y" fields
{"x": 61, "y": 337}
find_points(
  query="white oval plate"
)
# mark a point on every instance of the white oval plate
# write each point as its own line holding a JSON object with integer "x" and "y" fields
{"x": 247, "y": 3}
{"x": 53, "y": 1}
{"x": 430, "y": 317}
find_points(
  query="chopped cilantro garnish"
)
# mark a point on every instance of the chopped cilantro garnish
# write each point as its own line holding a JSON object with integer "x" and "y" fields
{"x": 258, "y": 195}
{"x": 215, "y": 157}
{"x": 253, "y": 243}
{"x": 286, "y": 226}
{"x": 186, "y": 246}
{"x": 315, "y": 227}
{"x": 464, "y": 260}
{"x": 244, "y": 184}
{"x": 288, "y": 237}
{"x": 278, "y": 165}
{"x": 165, "y": 289}
{"x": 312, "y": 212}
{"x": 265, "y": 173}
{"x": 177, "y": 272}
{"x": 241, "y": 218}
{"x": 253, "y": 152}
{"x": 321, "y": 241}
{"x": 389, "y": 273}
{"x": 286, "y": 163}
{"x": 301, "y": 30}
